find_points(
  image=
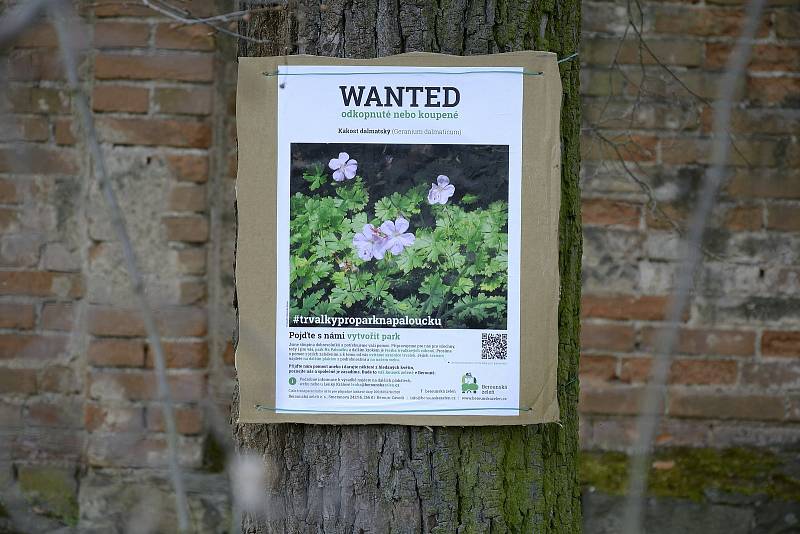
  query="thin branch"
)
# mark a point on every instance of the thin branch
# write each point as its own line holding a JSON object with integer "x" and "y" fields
{"x": 653, "y": 401}
{"x": 215, "y": 22}
{"x": 60, "y": 12}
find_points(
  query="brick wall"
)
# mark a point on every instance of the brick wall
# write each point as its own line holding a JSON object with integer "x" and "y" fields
{"x": 736, "y": 379}
{"x": 77, "y": 389}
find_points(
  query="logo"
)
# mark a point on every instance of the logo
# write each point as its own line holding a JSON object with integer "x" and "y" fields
{"x": 469, "y": 384}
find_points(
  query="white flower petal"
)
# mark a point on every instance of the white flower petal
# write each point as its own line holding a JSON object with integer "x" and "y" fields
{"x": 442, "y": 180}
{"x": 400, "y": 225}
{"x": 407, "y": 239}
{"x": 388, "y": 228}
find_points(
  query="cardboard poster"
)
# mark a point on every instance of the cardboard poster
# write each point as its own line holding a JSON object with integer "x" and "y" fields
{"x": 397, "y": 247}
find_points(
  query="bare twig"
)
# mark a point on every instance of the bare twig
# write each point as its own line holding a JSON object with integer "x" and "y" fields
{"x": 60, "y": 13}
{"x": 652, "y": 404}
{"x": 216, "y": 22}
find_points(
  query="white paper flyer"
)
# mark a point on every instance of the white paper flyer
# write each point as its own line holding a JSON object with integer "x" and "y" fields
{"x": 398, "y": 240}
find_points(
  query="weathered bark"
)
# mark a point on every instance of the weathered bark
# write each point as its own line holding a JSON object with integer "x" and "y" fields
{"x": 382, "y": 479}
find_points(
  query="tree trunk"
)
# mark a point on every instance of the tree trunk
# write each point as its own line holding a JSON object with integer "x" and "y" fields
{"x": 382, "y": 478}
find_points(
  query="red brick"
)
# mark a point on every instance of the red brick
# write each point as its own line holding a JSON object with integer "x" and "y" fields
{"x": 103, "y": 418}
{"x": 705, "y": 342}
{"x": 596, "y": 368}
{"x": 748, "y": 153}
{"x": 192, "y": 260}
{"x": 610, "y": 212}
{"x": 16, "y": 315}
{"x": 17, "y": 381}
{"x": 34, "y": 65}
{"x": 178, "y": 67}
{"x": 772, "y": 374}
{"x": 180, "y": 354}
{"x": 783, "y": 218}
{"x": 183, "y": 101}
{"x": 121, "y": 8}
{"x": 35, "y": 159}
{"x": 27, "y": 129}
{"x": 171, "y": 322}
{"x": 635, "y": 370}
{"x": 765, "y": 57}
{"x": 233, "y": 165}
{"x": 65, "y": 132}
{"x": 703, "y": 372}
{"x": 57, "y": 316}
{"x": 37, "y": 100}
{"x": 607, "y": 337}
{"x": 31, "y": 347}
{"x": 192, "y": 292}
{"x": 187, "y": 420}
{"x": 116, "y": 353}
{"x": 764, "y": 183}
{"x": 702, "y": 21}
{"x": 744, "y": 218}
{"x": 62, "y": 414}
{"x": 124, "y": 98}
{"x": 752, "y": 121}
{"x": 773, "y": 90}
{"x": 719, "y": 405}
{"x": 612, "y": 400}
{"x": 780, "y": 343}
{"x": 40, "y": 284}
{"x": 136, "y": 386}
{"x": 8, "y": 192}
{"x": 58, "y": 379}
{"x": 645, "y": 308}
{"x": 187, "y": 229}
{"x": 787, "y": 25}
{"x": 39, "y": 36}
{"x": 188, "y": 168}
{"x": 121, "y": 34}
{"x": 194, "y": 37}
{"x": 628, "y": 147}
{"x": 148, "y": 451}
{"x": 151, "y": 132}
{"x": 188, "y": 198}
{"x": 229, "y": 356}
{"x": 666, "y": 216}
{"x": 602, "y": 50}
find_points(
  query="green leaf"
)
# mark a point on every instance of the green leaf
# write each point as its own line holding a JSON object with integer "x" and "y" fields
{"x": 316, "y": 177}
{"x": 354, "y": 196}
{"x": 462, "y": 286}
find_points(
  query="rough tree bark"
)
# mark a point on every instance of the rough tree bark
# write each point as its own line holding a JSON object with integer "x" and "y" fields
{"x": 382, "y": 479}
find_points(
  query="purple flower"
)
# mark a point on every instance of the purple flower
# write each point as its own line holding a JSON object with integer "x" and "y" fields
{"x": 370, "y": 243}
{"x": 343, "y": 167}
{"x": 396, "y": 236}
{"x": 441, "y": 191}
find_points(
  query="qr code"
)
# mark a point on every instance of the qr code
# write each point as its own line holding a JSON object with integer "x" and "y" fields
{"x": 494, "y": 346}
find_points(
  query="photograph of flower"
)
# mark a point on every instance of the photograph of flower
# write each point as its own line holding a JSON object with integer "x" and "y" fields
{"x": 414, "y": 231}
